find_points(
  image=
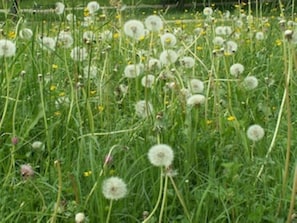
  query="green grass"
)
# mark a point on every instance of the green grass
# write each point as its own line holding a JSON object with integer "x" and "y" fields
{"x": 80, "y": 120}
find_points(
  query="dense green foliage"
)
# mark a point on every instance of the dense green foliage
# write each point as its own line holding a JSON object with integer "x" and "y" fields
{"x": 218, "y": 174}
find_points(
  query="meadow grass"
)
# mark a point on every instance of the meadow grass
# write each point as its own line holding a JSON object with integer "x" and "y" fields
{"x": 70, "y": 120}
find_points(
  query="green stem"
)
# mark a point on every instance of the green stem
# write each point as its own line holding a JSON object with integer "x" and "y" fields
{"x": 158, "y": 200}
{"x": 109, "y": 212}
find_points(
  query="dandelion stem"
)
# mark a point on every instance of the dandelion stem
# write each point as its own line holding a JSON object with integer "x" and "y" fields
{"x": 158, "y": 200}
{"x": 164, "y": 199}
{"x": 54, "y": 216}
{"x": 292, "y": 203}
{"x": 109, "y": 212}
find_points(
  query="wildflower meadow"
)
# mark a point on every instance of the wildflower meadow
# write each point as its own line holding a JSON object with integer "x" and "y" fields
{"x": 118, "y": 114}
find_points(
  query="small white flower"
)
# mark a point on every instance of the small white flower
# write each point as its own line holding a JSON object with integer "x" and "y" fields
{"x": 79, "y": 54}
{"x": 134, "y": 28}
{"x": 153, "y": 23}
{"x": 196, "y": 100}
{"x": 79, "y": 217}
{"x": 114, "y": 188}
{"x": 59, "y": 8}
{"x": 255, "y": 132}
{"x": 148, "y": 81}
{"x": 236, "y": 69}
{"x": 93, "y": 7}
{"x": 196, "y": 86}
{"x": 168, "y": 57}
{"x": 207, "y": 11}
{"x": 250, "y": 82}
{"x": 26, "y": 33}
{"x": 143, "y": 108}
{"x": 161, "y": 155}
{"x": 7, "y": 48}
{"x": 168, "y": 40}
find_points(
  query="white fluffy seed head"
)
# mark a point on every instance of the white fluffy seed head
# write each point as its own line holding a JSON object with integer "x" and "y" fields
{"x": 255, "y": 132}
{"x": 79, "y": 217}
{"x": 236, "y": 69}
{"x": 250, "y": 82}
{"x": 114, "y": 188}
{"x": 196, "y": 100}
{"x": 161, "y": 155}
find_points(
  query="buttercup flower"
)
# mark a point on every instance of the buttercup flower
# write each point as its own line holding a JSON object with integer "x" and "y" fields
{"x": 168, "y": 40}
{"x": 250, "y": 82}
{"x": 134, "y": 28}
{"x": 143, "y": 108}
{"x": 153, "y": 23}
{"x": 7, "y": 48}
{"x": 79, "y": 54}
{"x": 161, "y": 155}
{"x": 114, "y": 188}
{"x": 236, "y": 69}
{"x": 59, "y": 8}
{"x": 255, "y": 132}
{"x": 196, "y": 100}
{"x": 93, "y": 7}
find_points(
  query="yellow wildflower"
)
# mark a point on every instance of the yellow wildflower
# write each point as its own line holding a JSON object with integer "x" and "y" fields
{"x": 231, "y": 118}
{"x": 278, "y": 42}
{"x": 86, "y": 12}
{"x": 11, "y": 35}
{"x": 208, "y": 122}
{"x": 87, "y": 173}
{"x": 55, "y": 66}
{"x": 100, "y": 108}
{"x": 53, "y": 87}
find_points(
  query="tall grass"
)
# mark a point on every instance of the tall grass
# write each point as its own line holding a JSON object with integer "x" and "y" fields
{"x": 88, "y": 129}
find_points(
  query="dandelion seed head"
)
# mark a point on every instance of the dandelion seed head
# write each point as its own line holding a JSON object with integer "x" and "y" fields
{"x": 161, "y": 155}
{"x": 93, "y": 7}
{"x": 132, "y": 71}
{"x": 59, "y": 9}
{"x": 26, "y": 33}
{"x": 7, "y": 48}
{"x": 207, "y": 11}
{"x": 168, "y": 40}
{"x": 255, "y": 132}
{"x": 187, "y": 62}
{"x": 114, "y": 188}
{"x": 47, "y": 43}
{"x": 153, "y": 23}
{"x": 196, "y": 86}
{"x": 259, "y": 35}
{"x": 168, "y": 57}
{"x": 37, "y": 145}
{"x": 79, "y": 217}
{"x": 143, "y": 109}
{"x": 79, "y": 54}
{"x": 236, "y": 69}
{"x": 250, "y": 82}
{"x": 134, "y": 29}
{"x": 26, "y": 171}
{"x": 196, "y": 100}
{"x": 148, "y": 81}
